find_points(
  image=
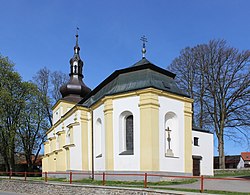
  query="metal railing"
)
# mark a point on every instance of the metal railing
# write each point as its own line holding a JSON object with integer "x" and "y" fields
{"x": 144, "y": 177}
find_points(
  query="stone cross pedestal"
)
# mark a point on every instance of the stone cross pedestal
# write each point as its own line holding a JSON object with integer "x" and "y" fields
{"x": 169, "y": 151}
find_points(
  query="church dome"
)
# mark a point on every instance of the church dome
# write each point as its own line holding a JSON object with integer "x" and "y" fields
{"x": 141, "y": 75}
{"x": 75, "y": 89}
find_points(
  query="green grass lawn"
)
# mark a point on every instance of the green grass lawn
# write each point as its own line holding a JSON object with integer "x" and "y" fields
{"x": 232, "y": 173}
{"x": 135, "y": 183}
{"x": 118, "y": 183}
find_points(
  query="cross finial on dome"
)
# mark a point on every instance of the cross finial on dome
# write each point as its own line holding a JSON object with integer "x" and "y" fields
{"x": 77, "y": 30}
{"x": 144, "y": 40}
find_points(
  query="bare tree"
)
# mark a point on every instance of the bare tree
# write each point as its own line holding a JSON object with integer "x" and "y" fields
{"x": 228, "y": 92}
{"x": 49, "y": 84}
{"x": 221, "y": 90}
{"x": 185, "y": 66}
{"x": 41, "y": 79}
{"x": 57, "y": 80}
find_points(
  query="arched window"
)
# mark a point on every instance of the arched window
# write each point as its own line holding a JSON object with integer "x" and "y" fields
{"x": 98, "y": 138}
{"x": 126, "y": 133}
{"x": 129, "y": 133}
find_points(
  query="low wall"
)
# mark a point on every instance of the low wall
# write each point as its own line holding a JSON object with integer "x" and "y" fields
{"x": 41, "y": 188}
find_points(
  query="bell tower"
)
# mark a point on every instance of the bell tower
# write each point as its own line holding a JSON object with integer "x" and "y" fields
{"x": 75, "y": 89}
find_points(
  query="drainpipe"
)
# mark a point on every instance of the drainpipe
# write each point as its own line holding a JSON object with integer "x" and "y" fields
{"x": 92, "y": 144}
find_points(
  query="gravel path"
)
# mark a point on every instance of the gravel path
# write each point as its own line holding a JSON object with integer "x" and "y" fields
{"x": 9, "y": 193}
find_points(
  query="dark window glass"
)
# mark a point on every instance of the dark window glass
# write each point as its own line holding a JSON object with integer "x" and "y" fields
{"x": 129, "y": 133}
{"x": 196, "y": 141}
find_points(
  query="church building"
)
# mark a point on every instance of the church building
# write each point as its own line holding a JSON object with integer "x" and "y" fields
{"x": 136, "y": 120}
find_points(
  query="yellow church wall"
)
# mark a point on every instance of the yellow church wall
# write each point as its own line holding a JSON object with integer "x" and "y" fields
{"x": 149, "y": 127}
{"x": 67, "y": 151}
{"x": 61, "y": 160}
{"x": 59, "y": 149}
{"x": 52, "y": 162}
{"x": 69, "y": 110}
{"x": 45, "y": 157}
{"x": 149, "y": 131}
{"x": 149, "y": 111}
{"x": 46, "y": 147}
{"x": 85, "y": 139}
{"x": 63, "y": 106}
{"x": 74, "y": 140}
{"x": 66, "y": 156}
{"x": 61, "y": 153}
{"x": 52, "y": 141}
{"x": 61, "y": 137}
{"x": 188, "y": 137}
{"x": 108, "y": 117}
{"x": 138, "y": 92}
{"x": 60, "y": 109}
{"x": 45, "y": 165}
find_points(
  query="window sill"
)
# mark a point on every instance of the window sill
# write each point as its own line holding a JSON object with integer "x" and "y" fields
{"x": 171, "y": 156}
{"x": 128, "y": 152}
{"x": 67, "y": 146}
{"x": 73, "y": 124}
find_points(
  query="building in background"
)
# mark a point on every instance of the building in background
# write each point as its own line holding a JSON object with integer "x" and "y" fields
{"x": 136, "y": 120}
{"x": 245, "y": 156}
{"x": 231, "y": 162}
{"x": 21, "y": 164}
{"x": 234, "y": 161}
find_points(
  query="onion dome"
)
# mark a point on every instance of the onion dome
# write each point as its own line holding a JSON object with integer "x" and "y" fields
{"x": 75, "y": 89}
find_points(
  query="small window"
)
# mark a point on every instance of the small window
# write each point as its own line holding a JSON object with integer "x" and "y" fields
{"x": 126, "y": 133}
{"x": 129, "y": 134}
{"x": 196, "y": 141}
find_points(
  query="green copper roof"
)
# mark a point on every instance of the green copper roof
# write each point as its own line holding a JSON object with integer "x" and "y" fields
{"x": 142, "y": 61}
{"x": 141, "y": 75}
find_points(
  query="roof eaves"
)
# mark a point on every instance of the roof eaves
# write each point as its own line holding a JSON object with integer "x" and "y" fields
{"x": 201, "y": 130}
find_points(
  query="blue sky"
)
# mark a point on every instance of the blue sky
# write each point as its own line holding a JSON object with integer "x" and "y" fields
{"x": 35, "y": 34}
